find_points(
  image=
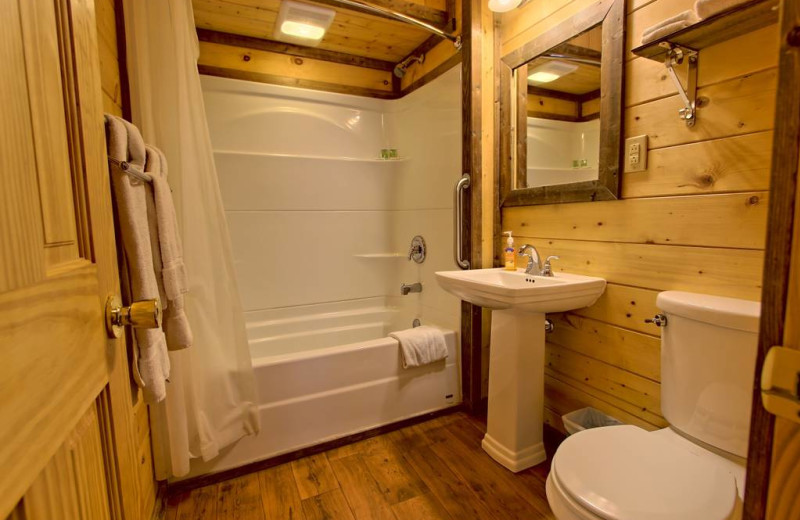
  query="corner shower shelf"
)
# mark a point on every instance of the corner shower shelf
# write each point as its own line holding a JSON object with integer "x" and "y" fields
{"x": 721, "y": 27}
{"x": 319, "y": 157}
{"x": 673, "y": 48}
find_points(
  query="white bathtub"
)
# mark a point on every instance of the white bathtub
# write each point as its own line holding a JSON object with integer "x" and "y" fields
{"x": 327, "y": 371}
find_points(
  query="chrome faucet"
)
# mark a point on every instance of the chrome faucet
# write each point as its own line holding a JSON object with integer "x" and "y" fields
{"x": 406, "y": 288}
{"x": 534, "y": 266}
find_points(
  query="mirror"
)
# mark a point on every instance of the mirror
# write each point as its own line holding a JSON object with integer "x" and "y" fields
{"x": 561, "y": 131}
{"x": 562, "y": 109}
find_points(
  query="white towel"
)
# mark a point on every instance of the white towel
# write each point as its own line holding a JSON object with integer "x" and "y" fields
{"x": 708, "y": 8}
{"x": 421, "y": 345}
{"x": 670, "y": 25}
{"x": 171, "y": 268}
{"x": 126, "y": 147}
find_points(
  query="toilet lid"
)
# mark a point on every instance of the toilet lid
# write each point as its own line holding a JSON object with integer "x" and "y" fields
{"x": 623, "y": 472}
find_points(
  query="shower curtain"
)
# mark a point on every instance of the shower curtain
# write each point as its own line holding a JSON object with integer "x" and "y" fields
{"x": 211, "y": 397}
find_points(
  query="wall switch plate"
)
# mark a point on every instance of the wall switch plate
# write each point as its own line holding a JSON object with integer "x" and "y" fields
{"x": 636, "y": 154}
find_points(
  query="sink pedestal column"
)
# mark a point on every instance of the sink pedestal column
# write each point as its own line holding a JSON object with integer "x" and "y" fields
{"x": 516, "y": 389}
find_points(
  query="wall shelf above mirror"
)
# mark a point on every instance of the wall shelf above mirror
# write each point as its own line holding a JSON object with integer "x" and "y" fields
{"x": 561, "y": 111}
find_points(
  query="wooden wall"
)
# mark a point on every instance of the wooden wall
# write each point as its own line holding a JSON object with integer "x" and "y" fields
{"x": 341, "y": 66}
{"x": 694, "y": 221}
{"x": 106, "y": 12}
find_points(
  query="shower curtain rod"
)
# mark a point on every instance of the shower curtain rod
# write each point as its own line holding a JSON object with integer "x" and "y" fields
{"x": 402, "y": 18}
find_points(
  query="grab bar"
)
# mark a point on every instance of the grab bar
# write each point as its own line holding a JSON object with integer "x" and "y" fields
{"x": 461, "y": 187}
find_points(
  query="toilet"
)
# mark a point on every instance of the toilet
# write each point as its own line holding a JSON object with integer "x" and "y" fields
{"x": 695, "y": 468}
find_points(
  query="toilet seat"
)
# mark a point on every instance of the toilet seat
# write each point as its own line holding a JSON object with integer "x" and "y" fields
{"x": 625, "y": 472}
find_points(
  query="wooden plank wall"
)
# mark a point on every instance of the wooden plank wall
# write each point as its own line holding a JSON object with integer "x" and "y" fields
{"x": 106, "y": 11}
{"x": 694, "y": 221}
{"x": 316, "y": 72}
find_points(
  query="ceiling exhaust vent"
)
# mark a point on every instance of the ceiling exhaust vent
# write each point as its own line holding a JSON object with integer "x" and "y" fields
{"x": 302, "y": 24}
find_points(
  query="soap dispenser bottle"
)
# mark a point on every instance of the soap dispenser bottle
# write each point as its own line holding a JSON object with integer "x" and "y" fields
{"x": 510, "y": 258}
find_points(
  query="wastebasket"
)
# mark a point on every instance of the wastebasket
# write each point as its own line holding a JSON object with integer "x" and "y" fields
{"x": 584, "y": 418}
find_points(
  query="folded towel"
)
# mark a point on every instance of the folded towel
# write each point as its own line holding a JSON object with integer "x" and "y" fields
{"x": 708, "y": 8}
{"x": 172, "y": 271}
{"x": 126, "y": 152}
{"x": 670, "y": 25}
{"x": 421, "y": 345}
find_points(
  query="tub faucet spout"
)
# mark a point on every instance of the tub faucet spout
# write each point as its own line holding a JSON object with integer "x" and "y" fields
{"x": 409, "y": 288}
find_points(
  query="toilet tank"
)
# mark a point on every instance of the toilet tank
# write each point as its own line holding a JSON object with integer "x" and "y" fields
{"x": 708, "y": 354}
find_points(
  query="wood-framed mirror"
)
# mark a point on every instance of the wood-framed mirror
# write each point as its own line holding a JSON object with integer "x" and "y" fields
{"x": 561, "y": 98}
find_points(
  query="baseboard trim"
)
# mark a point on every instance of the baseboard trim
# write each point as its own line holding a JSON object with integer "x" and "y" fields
{"x": 213, "y": 478}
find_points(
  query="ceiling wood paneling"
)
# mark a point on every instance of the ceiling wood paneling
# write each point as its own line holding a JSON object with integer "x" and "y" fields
{"x": 352, "y": 32}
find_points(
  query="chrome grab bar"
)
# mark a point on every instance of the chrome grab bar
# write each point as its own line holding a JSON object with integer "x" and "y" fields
{"x": 461, "y": 187}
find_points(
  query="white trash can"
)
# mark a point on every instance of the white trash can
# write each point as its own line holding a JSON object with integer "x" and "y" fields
{"x": 584, "y": 418}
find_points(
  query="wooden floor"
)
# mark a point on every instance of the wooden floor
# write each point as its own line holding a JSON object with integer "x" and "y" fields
{"x": 432, "y": 470}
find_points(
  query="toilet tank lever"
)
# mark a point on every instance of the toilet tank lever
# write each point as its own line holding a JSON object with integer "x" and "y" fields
{"x": 659, "y": 320}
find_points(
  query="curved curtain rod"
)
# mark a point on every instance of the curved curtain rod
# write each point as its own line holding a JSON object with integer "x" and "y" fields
{"x": 403, "y": 18}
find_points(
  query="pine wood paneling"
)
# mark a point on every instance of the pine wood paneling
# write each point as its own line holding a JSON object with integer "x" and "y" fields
{"x": 351, "y": 32}
{"x": 695, "y": 220}
{"x": 624, "y": 306}
{"x": 542, "y": 106}
{"x": 109, "y": 59}
{"x": 735, "y": 107}
{"x": 564, "y": 394}
{"x": 735, "y": 220}
{"x": 271, "y": 64}
{"x": 725, "y": 272}
{"x": 635, "y": 352}
{"x": 740, "y": 163}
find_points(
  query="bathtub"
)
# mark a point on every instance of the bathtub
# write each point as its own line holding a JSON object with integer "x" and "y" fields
{"x": 328, "y": 371}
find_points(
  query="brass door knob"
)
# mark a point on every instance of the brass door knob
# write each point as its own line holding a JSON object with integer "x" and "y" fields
{"x": 145, "y": 314}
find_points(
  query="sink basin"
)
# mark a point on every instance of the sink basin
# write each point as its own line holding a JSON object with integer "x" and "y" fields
{"x": 500, "y": 289}
{"x": 519, "y": 302}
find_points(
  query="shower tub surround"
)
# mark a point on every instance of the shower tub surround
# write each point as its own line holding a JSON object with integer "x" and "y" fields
{"x": 321, "y": 228}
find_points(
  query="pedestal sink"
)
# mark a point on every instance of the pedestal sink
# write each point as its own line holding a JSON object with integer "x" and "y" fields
{"x": 519, "y": 302}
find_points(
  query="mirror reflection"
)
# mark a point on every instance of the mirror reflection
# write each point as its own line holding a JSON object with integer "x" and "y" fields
{"x": 559, "y": 102}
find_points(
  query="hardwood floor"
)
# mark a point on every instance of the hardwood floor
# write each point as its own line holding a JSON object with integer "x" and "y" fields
{"x": 429, "y": 471}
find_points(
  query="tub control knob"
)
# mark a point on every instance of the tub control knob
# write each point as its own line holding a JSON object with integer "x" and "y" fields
{"x": 659, "y": 320}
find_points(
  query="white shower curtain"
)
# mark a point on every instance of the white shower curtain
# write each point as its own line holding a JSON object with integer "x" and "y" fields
{"x": 211, "y": 396}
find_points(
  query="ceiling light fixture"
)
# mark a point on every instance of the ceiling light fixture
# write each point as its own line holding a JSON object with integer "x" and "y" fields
{"x": 302, "y": 24}
{"x": 550, "y": 71}
{"x": 503, "y": 6}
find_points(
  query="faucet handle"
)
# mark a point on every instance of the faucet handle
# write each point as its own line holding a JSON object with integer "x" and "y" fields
{"x": 547, "y": 270}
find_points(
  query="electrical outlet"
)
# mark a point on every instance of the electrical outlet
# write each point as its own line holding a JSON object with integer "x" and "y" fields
{"x": 636, "y": 154}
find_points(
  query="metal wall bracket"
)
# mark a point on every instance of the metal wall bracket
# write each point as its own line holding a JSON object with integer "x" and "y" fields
{"x": 675, "y": 56}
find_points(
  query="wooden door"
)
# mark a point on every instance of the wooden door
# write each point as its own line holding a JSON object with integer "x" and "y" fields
{"x": 65, "y": 426}
{"x": 773, "y": 468}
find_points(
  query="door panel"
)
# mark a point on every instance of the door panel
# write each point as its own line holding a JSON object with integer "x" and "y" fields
{"x": 73, "y": 484}
{"x": 43, "y": 68}
{"x": 57, "y": 265}
{"x": 21, "y": 239}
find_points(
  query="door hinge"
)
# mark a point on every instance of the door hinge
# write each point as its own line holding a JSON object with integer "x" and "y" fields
{"x": 780, "y": 383}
